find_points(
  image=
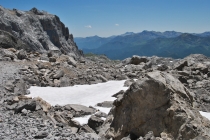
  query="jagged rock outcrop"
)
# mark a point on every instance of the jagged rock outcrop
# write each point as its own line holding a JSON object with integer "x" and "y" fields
{"x": 35, "y": 30}
{"x": 137, "y": 60}
{"x": 159, "y": 103}
{"x": 7, "y": 40}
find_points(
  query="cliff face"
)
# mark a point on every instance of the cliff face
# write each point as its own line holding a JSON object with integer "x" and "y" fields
{"x": 39, "y": 30}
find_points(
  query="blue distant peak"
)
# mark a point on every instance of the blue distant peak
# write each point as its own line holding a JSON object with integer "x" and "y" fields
{"x": 127, "y": 33}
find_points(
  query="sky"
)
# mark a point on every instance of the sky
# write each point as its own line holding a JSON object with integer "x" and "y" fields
{"x": 113, "y": 17}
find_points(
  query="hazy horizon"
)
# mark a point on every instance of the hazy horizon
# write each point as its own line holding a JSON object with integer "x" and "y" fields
{"x": 138, "y": 32}
{"x": 106, "y": 18}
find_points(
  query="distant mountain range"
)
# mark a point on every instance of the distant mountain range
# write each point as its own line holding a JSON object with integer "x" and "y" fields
{"x": 147, "y": 43}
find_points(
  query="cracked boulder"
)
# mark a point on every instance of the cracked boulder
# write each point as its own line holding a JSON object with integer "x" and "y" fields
{"x": 158, "y": 103}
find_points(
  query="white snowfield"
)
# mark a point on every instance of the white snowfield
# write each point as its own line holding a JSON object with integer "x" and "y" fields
{"x": 87, "y": 95}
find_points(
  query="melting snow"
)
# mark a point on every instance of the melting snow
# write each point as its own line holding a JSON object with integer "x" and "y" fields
{"x": 82, "y": 120}
{"x": 205, "y": 114}
{"x": 103, "y": 109}
{"x": 88, "y": 95}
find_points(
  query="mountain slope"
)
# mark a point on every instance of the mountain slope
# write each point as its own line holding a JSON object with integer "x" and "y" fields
{"x": 39, "y": 30}
{"x": 177, "y": 47}
{"x": 129, "y": 37}
{"x": 91, "y": 42}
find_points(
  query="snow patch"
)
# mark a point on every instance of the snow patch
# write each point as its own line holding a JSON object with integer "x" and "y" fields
{"x": 82, "y": 120}
{"x": 205, "y": 114}
{"x": 87, "y": 95}
{"x": 103, "y": 109}
{"x": 42, "y": 61}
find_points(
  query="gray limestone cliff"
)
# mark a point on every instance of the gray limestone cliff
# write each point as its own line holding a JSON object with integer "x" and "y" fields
{"x": 36, "y": 31}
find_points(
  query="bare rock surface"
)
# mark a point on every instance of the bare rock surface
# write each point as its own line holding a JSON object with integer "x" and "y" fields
{"x": 36, "y": 31}
{"x": 158, "y": 103}
{"x": 95, "y": 122}
{"x": 80, "y": 110}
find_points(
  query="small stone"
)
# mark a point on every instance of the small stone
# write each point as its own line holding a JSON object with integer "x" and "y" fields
{"x": 24, "y": 111}
{"x": 41, "y": 135}
{"x": 52, "y": 59}
{"x": 58, "y": 74}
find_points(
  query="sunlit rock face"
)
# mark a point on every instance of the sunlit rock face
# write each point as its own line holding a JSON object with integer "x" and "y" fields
{"x": 38, "y": 30}
{"x": 158, "y": 103}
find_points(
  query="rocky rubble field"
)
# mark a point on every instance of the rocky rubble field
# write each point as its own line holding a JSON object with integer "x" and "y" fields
{"x": 164, "y": 99}
{"x": 163, "y": 103}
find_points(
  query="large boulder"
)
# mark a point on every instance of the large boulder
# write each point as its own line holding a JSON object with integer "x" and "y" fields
{"x": 137, "y": 60}
{"x": 95, "y": 122}
{"x": 79, "y": 110}
{"x": 22, "y": 54}
{"x": 180, "y": 65}
{"x": 158, "y": 103}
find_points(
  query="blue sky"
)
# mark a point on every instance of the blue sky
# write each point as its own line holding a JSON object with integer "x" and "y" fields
{"x": 113, "y": 17}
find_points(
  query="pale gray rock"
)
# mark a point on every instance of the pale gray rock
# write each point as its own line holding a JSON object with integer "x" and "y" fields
{"x": 40, "y": 30}
{"x": 158, "y": 103}
{"x": 79, "y": 110}
{"x": 128, "y": 82}
{"x": 105, "y": 104}
{"x": 4, "y": 53}
{"x": 71, "y": 61}
{"x": 58, "y": 74}
{"x": 64, "y": 81}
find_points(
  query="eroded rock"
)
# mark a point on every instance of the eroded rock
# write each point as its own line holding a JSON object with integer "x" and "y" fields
{"x": 158, "y": 103}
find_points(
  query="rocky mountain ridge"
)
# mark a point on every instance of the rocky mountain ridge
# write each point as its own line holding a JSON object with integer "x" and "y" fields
{"x": 167, "y": 44}
{"x": 129, "y": 37}
{"x": 36, "y": 31}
